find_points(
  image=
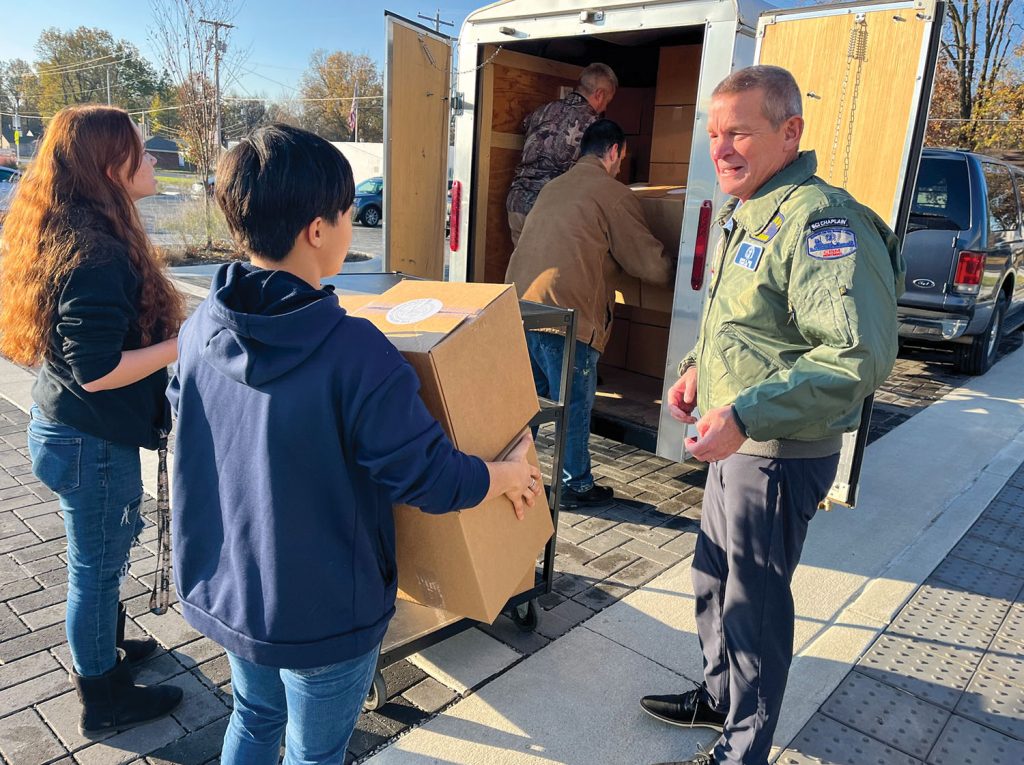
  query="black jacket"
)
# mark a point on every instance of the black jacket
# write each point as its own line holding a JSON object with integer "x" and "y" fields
{"x": 95, "y": 319}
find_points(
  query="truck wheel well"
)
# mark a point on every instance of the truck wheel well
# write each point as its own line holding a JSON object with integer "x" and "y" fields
{"x": 1008, "y": 287}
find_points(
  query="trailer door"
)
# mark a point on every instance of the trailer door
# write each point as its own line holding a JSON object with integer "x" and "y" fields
{"x": 417, "y": 85}
{"x": 865, "y": 71}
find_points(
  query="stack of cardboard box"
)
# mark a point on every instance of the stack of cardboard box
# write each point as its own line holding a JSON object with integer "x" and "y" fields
{"x": 467, "y": 345}
{"x": 675, "y": 104}
{"x": 639, "y": 342}
{"x": 663, "y": 210}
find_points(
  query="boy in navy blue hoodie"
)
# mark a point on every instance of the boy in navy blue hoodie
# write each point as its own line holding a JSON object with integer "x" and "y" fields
{"x": 298, "y": 429}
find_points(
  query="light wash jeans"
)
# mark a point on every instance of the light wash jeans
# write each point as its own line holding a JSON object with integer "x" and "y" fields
{"x": 99, "y": 484}
{"x": 316, "y": 710}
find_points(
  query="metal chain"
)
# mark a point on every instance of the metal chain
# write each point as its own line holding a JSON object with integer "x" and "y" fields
{"x": 859, "y": 44}
{"x": 433, "y": 63}
{"x": 839, "y": 123}
{"x": 856, "y": 51}
{"x": 160, "y": 597}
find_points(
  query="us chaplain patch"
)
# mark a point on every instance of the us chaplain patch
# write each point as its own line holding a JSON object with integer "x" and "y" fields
{"x": 748, "y": 256}
{"x": 828, "y": 222}
{"x": 831, "y": 240}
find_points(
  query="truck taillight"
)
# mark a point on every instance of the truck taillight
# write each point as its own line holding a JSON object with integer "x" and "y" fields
{"x": 969, "y": 269}
{"x": 700, "y": 247}
{"x": 454, "y": 216}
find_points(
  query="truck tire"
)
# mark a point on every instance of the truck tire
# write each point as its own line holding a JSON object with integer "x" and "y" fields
{"x": 977, "y": 357}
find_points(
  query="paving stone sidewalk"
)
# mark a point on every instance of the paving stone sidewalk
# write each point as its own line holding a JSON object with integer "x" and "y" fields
{"x": 602, "y": 556}
{"x": 944, "y": 684}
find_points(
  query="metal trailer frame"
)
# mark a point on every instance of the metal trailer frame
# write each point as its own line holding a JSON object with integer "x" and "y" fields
{"x": 415, "y": 627}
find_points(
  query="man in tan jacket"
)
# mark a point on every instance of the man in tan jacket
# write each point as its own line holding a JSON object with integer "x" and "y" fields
{"x": 585, "y": 228}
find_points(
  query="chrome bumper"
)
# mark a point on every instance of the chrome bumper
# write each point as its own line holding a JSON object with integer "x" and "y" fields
{"x": 932, "y": 329}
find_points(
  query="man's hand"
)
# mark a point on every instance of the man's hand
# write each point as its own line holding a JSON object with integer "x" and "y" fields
{"x": 718, "y": 435}
{"x": 525, "y": 479}
{"x": 682, "y": 397}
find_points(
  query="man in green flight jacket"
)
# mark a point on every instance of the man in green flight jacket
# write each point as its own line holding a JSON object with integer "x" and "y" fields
{"x": 799, "y": 327}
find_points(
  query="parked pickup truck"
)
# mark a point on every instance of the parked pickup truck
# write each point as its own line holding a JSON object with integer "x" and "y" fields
{"x": 965, "y": 255}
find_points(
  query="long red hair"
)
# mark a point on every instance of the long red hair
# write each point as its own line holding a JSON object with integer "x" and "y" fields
{"x": 83, "y": 150}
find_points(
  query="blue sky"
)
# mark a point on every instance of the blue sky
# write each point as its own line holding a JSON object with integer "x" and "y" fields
{"x": 279, "y": 36}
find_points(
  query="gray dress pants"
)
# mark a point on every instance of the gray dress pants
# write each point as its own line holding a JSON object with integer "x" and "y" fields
{"x": 752, "y": 530}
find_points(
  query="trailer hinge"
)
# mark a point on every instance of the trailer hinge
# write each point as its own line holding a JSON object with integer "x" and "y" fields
{"x": 458, "y": 102}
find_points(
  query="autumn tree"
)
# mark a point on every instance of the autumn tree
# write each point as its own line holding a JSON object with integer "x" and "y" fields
{"x": 19, "y": 87}
{"x": 187, "y": 48}
{"x": 327, "y": 88}
{"x": 978, "y": 82}
{"x": 242, "y": 115}
{"x": 74, "y": 66}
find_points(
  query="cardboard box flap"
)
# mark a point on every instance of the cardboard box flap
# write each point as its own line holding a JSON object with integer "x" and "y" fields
{"x": 463, "y": 340}
{"x": 647, "y": 191}
{"x": 353, "y": 301}
{"x": 417, "y": 315}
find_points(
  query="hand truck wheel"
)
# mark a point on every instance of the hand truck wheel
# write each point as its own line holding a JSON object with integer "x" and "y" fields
{"x": 377, "y": 695}
{"x": 526, "y": 615}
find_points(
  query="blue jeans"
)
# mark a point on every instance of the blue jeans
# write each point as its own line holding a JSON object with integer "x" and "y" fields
{"x": 316, "y": 709}
{"x": 546, "y": 359}
{"x": 99, "y": 484}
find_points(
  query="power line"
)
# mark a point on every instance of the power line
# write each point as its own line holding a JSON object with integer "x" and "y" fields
{"x": 59, "y": 68}
{"x": 76, "y": 68}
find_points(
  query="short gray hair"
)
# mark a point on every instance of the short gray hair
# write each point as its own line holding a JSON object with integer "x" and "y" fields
{"x": 596, "y": 75}
{"x": 781, "y": 93}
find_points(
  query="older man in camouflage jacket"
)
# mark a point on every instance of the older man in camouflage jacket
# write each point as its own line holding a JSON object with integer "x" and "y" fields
{"x": 553, "y": 134}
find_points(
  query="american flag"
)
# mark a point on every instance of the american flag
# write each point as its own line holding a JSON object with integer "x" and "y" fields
{"x": 353, "y": 113}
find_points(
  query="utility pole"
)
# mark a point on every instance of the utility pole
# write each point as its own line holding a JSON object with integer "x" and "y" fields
{"x": 17, "y": 130}
{"x": 108, "y": 84}
{"x": 217, "y": 51}
{"x": 436, "y": 19}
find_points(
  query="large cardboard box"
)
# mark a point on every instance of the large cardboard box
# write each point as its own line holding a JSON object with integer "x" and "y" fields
{"x": 354, "y": 301}
{"x": 668, "y": 173}
{"x": 618, "y": 342}
{"x": 648, "y": 349}
{"x": 467, "y": 345}
{"x": 673, "y": 133}
{"x": 678, "y": 75}
{"x": 663, "y": 210}
{"x": 627, "y": 289}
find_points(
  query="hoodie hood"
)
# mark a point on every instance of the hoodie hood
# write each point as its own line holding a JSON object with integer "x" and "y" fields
{"x": 264, "y": 323}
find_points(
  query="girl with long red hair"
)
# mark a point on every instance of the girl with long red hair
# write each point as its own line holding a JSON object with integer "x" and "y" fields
{"x": 83, "y": 297}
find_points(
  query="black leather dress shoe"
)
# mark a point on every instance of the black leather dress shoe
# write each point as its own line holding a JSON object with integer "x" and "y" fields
{"x": 687, "y": 710}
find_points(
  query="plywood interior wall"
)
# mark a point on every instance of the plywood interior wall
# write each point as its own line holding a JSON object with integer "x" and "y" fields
{"x": 816, "y": 51}
{"x": 515, "y": 84}
{"x": 417, "y": 151}
{"x": 512, "y": 86}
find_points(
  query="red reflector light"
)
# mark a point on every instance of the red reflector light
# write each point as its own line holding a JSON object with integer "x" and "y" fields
{"x": 454, "y": 216}
{"x": 969, "y": 269}
{"x": 700, "y": 246}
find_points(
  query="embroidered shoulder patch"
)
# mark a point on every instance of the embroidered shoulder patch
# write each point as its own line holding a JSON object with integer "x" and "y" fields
{"x": 769, "y": 231}
{"x": 831, "y": 243}
{"x": 748, "y": 256}
{"x": 828, "y": 223}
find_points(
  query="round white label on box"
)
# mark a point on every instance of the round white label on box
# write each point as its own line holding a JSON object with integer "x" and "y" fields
{"x": 413, "y": 311}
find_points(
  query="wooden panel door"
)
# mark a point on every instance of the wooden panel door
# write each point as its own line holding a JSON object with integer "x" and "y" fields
{"x": 865, "y": 72}
{"x": 416, "y": 127}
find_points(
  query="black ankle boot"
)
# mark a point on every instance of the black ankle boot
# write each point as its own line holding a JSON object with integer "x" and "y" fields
{"x": 135, "y": 650}
{"x": 114, "y": 702}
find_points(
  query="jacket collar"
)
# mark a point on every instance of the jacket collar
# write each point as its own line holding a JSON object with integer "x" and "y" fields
{"x": 590, "y": 159}
{"x": 578, "y": 99}
{"x": 756, "y": 213}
